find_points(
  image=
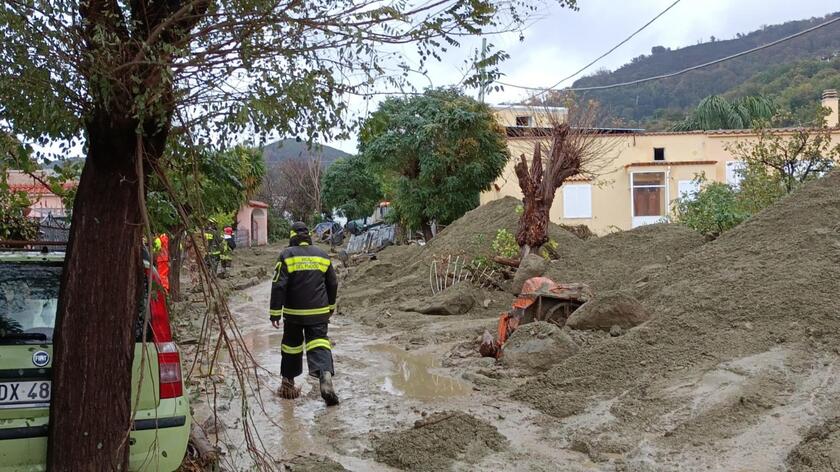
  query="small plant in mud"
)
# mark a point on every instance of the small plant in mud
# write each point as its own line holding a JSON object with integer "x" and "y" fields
{"x": 504, "y": 244}
{"x": 549, "y": 250}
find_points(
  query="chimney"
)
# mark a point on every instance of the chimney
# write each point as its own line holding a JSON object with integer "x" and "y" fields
{"x": 831, "y": 101}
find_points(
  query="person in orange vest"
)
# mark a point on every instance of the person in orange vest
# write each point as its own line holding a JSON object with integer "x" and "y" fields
{"x": 162, "y": 259}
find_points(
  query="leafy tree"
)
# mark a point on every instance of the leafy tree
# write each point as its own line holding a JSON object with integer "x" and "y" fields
{"x": 349, "y": 187}
{"x": 791, "y": 158}
{"x": 439, "y": 150}
{"x": 775, "y": 164}
{"x": 218, "y": 182}
{"x": 715, "y": 112}
{"x": 713, "y": 210}
{"x": 14, "y": 224}
{"x": 129, "y": 79}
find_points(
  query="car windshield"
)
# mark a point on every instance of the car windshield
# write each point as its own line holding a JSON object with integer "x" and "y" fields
{"x": 28, "y": 301}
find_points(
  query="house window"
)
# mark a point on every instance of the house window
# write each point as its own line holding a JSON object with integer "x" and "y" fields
{"x": 649, "y": 194}
{"x": 577, "y": 201}
{"x": 523, "y": 121}
{"x": 733, "y": 172}
{"x": 688, "y": 189}
{"x": 658, "y": 154}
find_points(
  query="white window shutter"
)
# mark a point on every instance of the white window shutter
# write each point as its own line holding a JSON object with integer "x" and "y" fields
{"x": 577, "y": 201}
{"x": 688, "y": 189}
{"x": 733, "y": 177}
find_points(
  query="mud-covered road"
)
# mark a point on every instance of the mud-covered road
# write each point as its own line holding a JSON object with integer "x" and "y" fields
{"x": 383, "y": 388}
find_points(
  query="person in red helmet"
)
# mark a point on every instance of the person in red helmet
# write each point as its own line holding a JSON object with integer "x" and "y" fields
{"x": 303, "y": 295}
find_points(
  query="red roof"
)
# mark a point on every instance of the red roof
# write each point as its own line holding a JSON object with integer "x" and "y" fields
{"x": 38, "y": 187}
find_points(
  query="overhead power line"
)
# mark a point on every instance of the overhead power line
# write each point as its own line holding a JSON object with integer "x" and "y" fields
{"x": 692, "y": 68}
{"x": 587, "y": 66}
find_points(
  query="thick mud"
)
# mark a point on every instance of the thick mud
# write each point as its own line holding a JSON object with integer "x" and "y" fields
{"x": 384, "y": 389}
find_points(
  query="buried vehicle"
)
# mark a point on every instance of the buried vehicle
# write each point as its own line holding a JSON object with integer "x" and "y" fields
{"x": 541, "y": 299}
{"x": 29, "y": 282}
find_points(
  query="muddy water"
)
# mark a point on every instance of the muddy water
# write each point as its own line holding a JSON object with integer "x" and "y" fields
{"x": 379, "y": 384}
{"x": 383, "y": 388}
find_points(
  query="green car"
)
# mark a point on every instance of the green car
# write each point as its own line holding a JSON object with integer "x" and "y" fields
{"x": 29, "y": 282}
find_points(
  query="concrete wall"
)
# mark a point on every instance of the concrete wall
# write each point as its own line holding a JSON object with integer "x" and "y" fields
{"x": 686, "y": 156}
{"x": 535, "y": 116}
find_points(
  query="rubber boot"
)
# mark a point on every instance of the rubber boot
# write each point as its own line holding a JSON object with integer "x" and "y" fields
{"x": 327, "y": 390}
{"x": 288, "y": 390}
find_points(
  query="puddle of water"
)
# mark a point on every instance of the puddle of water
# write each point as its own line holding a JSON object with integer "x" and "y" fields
{"x": 412, "y": 376}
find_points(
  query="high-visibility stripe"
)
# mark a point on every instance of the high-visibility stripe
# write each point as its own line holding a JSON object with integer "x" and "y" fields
{"x": 291, "y": 349}
{"x": 276, "y": 312}
{"x": 324, "y": 343}
{"x": 277, "y": 272}
{"x": 312, "y": 311}
{"x": 299, "y": 263}
{"x": 332, "y": 307}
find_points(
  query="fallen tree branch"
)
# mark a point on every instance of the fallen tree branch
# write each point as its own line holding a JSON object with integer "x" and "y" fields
{"x": 506, "y": 261}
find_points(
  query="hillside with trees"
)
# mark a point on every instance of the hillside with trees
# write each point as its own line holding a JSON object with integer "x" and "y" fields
{"x": 659, "y": 103}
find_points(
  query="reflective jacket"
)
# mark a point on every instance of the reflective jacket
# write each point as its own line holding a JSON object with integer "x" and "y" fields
{"x": 304, "y": 287}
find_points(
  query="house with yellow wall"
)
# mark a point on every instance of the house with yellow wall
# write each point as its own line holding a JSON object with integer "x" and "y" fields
{"x": 644, "y": 173}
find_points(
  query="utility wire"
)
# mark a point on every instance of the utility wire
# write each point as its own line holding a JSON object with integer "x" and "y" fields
{"x": 710, "y": 63}
{"x": 587, "y": 66}
{"x": 692, "y": 68}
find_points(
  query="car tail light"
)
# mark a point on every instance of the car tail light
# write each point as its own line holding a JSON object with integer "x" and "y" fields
{"x": 169, "y": 365}
{"x": 169, "y": 359}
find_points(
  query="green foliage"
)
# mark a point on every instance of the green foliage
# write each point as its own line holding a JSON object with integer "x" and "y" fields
{"x": 350, "y": 188}
{"x": 791, "y": 158}
{"x": 548, "y": 248}
{"x": 278, "y": 227}
{"x": 658, "y": 104}
{"x": 796, "y": 87}
{"x": 437, "y": 151}
{"x": 715, "y": 112}
{"x": 218, "y": 183}
{"x": 775, "y": 164}
{"x": 713, "y": 210}
{"x": 14, "y": 223}
{"x": 504, "y": 244}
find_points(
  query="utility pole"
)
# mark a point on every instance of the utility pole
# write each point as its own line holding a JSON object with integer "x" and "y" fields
{"x": 482, "y": 73}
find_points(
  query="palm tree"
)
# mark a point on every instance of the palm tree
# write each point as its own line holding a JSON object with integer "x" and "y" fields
{"x": 716, "y": 112}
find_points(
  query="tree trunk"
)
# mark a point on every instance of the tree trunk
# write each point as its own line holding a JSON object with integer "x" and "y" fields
{"x": 176, "y": 260}
{"x": 533, "y": 226}
{"x": 427, "y": 231}
{"x": 101, "y": 286}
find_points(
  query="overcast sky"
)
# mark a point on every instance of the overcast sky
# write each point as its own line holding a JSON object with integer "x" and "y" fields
{"x": 562, "y": 41}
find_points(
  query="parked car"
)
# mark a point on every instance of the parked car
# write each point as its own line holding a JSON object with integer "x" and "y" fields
{"x": 29, "y": 282}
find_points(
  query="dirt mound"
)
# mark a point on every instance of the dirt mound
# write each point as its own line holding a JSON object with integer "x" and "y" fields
{"x": 743, "y": 331}
{"x": 456, "y": 300}
{"x": 474, "y": 232}
{"x": 607, "y": 310}
{"x": 819, "y": 451}
{"x": 613, "y": 261}
{"x": 437, "y": 441}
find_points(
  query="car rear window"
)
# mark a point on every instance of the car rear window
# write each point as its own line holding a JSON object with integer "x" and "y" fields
{"x": 28, "y": 301}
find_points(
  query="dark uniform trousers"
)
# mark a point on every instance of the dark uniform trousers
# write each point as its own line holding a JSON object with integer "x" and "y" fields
{"x": 313, "y": 340}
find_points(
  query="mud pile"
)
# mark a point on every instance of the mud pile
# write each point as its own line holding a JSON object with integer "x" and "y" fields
{"x": 623, "y": 259}
{"x": 437, "y": 441}
{"x": 743, "y": 338}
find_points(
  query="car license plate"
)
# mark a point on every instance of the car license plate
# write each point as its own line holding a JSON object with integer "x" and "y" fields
{"x": 24, "y": 393}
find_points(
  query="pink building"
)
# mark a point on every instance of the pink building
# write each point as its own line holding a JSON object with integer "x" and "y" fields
{"x": 252, "y": 224}
{"x": 44, "y": 202}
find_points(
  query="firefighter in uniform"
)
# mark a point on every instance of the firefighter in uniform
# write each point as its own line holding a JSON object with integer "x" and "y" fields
{"x": 303, "y": 295}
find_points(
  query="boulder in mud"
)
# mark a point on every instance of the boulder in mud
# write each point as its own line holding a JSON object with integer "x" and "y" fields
{"x": 455, "y": 300}
{"x": 537, "y": 346}
{"x": 607, "y": 310}
{"x": 438, "y": 440}
{"x": 313, "y": 463}
{"x": 531, "y": 266}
